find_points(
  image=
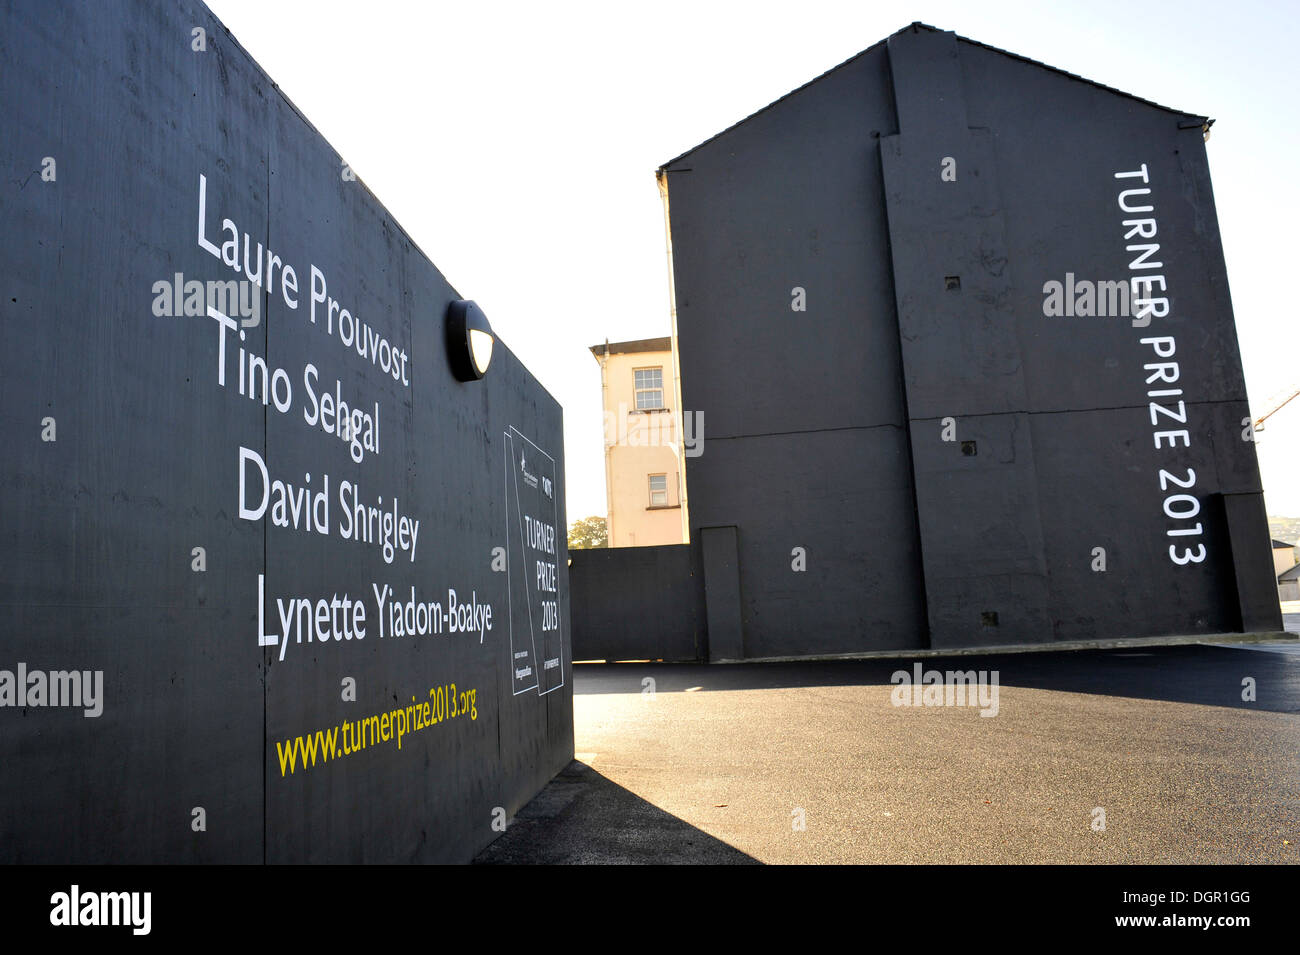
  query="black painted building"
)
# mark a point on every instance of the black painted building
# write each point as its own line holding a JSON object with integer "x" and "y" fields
{"x": 959, "y": 328}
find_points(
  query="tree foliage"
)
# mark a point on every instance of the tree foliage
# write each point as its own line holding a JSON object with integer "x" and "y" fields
{"x": 587, "y": 533}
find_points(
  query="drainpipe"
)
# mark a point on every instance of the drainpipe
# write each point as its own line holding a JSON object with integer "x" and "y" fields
{"x": 609, "y": 448}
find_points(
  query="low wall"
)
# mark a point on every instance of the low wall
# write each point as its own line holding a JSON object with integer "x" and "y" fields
{"x": 637, "y": 603}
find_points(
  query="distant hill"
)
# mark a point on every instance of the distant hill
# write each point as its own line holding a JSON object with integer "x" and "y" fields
{"x": 1285, "y": 529}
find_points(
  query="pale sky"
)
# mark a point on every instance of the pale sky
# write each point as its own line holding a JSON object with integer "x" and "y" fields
{"x": 517, "y": 144}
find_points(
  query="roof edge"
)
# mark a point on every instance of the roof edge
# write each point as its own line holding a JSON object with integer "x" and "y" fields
{"x": 1083, "y": 79}
{"x": 797, "y": 89}
{"x": 634, "y": 347}
{"x": 915, "y": 27}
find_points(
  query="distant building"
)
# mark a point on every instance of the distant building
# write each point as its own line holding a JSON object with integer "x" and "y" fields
{"x": 1288, "y": 584}
{"x": 1288, "y": 574}
{"x": 1283, "y": 556}
{"x": 644, "y": 484}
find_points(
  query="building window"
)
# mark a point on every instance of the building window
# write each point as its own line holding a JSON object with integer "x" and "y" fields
{"x": 649, "y": 388}
{"x": 659, "y": 490}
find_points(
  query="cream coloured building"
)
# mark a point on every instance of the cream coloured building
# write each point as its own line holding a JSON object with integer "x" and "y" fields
{"x": 645, "y": 483}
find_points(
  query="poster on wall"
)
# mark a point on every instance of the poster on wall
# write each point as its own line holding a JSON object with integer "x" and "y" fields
{"x": 532, "y": 563}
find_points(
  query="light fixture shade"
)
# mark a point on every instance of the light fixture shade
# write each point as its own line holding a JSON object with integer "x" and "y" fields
{"x": 480, "y": 349}
{"x": 469, "y": 340}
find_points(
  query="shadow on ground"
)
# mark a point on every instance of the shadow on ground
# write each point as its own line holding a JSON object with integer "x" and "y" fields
{"x": 582, "y": 817}
{"x": 1208, "y": 675}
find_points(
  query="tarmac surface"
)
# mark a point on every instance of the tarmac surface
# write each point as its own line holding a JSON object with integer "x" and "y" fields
{"x": 814, "y": 763}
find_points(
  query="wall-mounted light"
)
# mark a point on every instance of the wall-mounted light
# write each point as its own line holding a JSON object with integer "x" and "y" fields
{"x": 469, "y": 340}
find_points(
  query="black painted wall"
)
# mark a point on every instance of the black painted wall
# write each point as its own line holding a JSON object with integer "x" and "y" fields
{"x": 805, "y": 423}
{"x": 826, "y": 427}
{"x": 638, "y": 603}
{"x": 98, "y": 527}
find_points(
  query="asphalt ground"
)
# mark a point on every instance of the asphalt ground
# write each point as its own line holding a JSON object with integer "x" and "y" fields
{"x": 813, "y": 763}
